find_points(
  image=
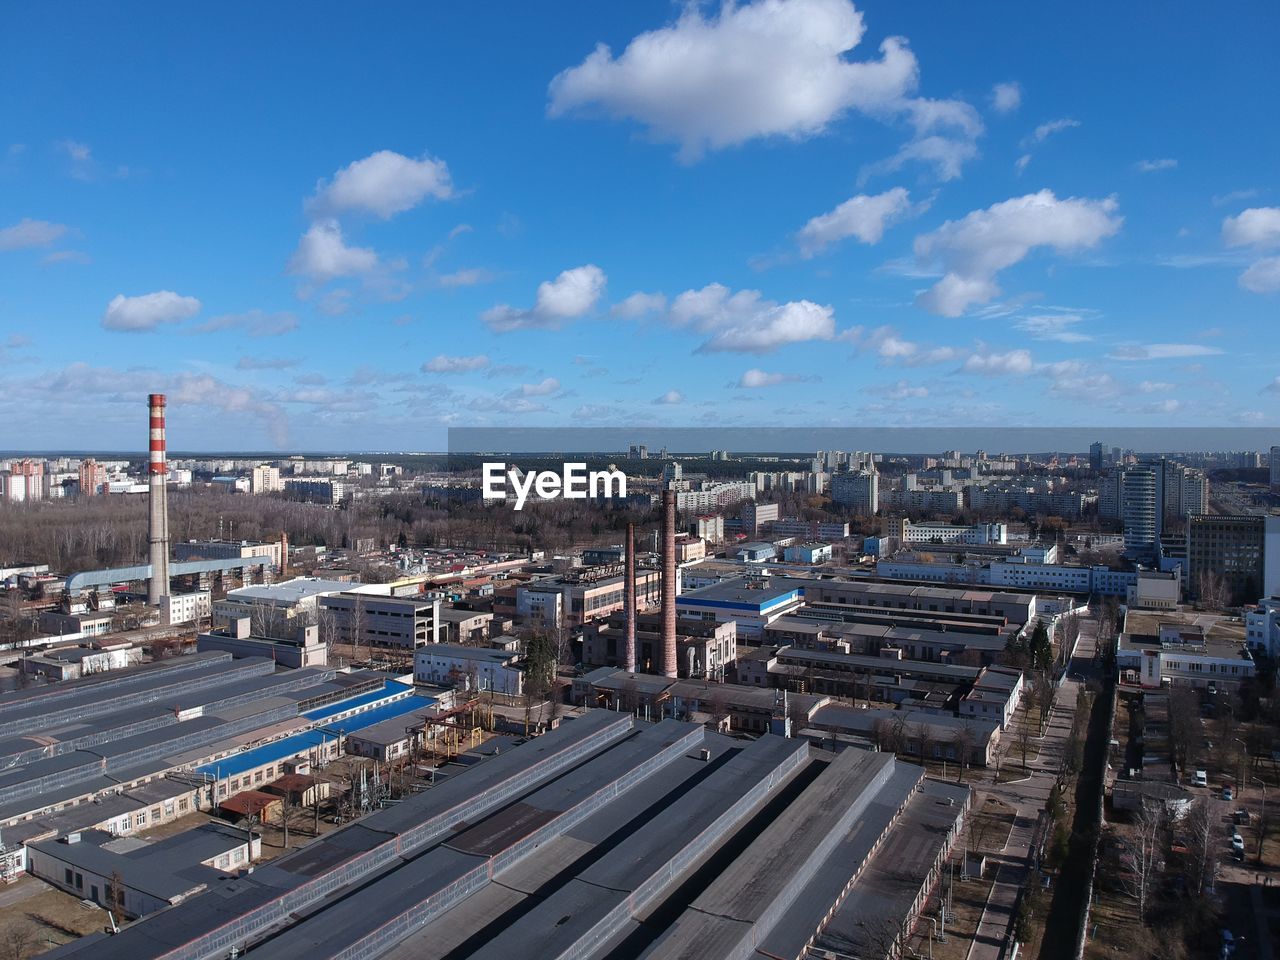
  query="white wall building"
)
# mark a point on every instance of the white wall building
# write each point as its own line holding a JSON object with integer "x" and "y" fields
{"x": 471, "y": 668}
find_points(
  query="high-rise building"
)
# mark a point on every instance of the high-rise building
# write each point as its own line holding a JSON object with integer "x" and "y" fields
{"x": 1275, "y": 469}
{"x": 860, "y": 492}
{"x": 265, "y": 478}
{"x": 1096, "y": 455}
{"x": 1225, "y": 556}
{"x": 1140, "y": 501}
{"x": 92, "y": 475}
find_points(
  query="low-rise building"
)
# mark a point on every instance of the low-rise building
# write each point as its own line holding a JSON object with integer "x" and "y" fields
{"x": 1158, "y": 649}
{"x": 302, "y": 648}
{"x": 752, "y": 602}
{"x": 994, "y": 695}
{"x": 580, "y": 596}
{"x": 471, "y": 668}
{"x": 180, "y": 608}
{"x": 811, "y": 552}
{"x": 371, "y": 620}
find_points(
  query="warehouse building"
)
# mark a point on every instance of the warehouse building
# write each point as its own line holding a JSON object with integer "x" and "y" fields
{"x": 589, "y": 841}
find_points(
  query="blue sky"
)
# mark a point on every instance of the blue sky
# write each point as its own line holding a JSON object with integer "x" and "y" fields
{"x": 332, "y": 226}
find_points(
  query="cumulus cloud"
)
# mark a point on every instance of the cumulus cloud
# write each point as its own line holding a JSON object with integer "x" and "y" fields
{"x": 1162, "y": 351}
{"x": 904, "y": 390}
{"x": 772, "y": 67}
{"x": 755, "y": 378}
{"x": 975, "y": 249}
{"x": 756, "y": 69}
{"x": 1154, "y": 386}
{"x": 148, "y": 311}
{"x": 864, "y": 217}
{"x": 1255, "y": 227}
{"x": 1262, "y": 276}
{"x": 572, "y": 294}
{"x": 256, "y": 323}
{"x": 383, "y": 184}
{"x": 1006, "y": 97}
{"x": 638, "y": 305}
{"x": 1058, "y": 326}
{"x": 744, "y": 322}
{"x": 1012, "y": 363}
{"x": 1154, "y": 166}
{"x": 892, "y": 348}
{"x": 323, "y": 255}
{"x": 670, "y": 397}
{"x": 444, "y": 363}
{"x": 27, "y": 234}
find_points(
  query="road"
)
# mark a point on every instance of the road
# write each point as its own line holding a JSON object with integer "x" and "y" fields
{"x": 1027, "y": 798}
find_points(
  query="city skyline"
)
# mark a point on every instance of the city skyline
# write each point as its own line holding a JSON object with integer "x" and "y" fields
{"x": 328, "y": 234}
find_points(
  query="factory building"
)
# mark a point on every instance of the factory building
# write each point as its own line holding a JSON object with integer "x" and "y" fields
{"x": 452, "y": 871}
{"x": 362, "y": 618}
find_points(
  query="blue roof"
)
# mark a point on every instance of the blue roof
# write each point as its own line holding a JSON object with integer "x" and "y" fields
{"x": 238, "y": 763}
{"x": 390, "y": 688}
{"x": 386, "y": 712}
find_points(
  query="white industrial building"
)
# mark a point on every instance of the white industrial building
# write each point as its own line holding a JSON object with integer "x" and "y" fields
{"x": 471, "y": 668}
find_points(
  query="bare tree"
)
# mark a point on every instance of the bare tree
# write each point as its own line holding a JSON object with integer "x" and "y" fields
{"x": 1212, "y": 590}
{"x": 17, "y": 940}
{"x": 290, "y": 812}
{"x": 964, "y": 738}
{"x": 1023, "y": 736}
{"x": 1143, "y": 854}
{"x": 115, "y": 896}
{"x": 1184, "y": 727}
{"x": 1202, "y": 844}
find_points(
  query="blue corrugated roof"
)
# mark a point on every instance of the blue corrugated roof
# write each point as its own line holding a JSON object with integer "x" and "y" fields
{"x": 238, "y": 763}
{"x": 387, "y": 712}
{"x": 390, "y": 688}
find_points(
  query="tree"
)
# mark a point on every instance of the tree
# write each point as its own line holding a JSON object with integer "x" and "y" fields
{"x": 115, "y": 896}
{"x": 964, "y": 738}
{"x": 1184, "y": 727}
{"x": 17, "y": 940}
{"x": 1143, "y": 854}
{"x": 290, "y": 811}
{"x": 1023, "y": 736}
{"x": 1212, "y": 590}
{"x": 1202, "y": 844}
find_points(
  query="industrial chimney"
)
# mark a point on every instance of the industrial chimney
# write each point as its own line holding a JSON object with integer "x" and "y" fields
{"x": 669, "y": 584}
{"x": 629, "y": 600}
{"x": 158, "y": 511}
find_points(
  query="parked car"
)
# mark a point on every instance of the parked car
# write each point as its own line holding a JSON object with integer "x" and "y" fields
{"x": 1241, "y": 816}
{"x": 1228, "y": 792}
{"x": 1228, "y": 944}
{"x": 1201, "y": 778}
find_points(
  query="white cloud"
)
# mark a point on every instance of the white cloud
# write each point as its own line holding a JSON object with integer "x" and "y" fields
{"x": 383, "y": 184}
{"x": 947, "y": 155}
{"x": 468, "y": 277}
{"x": 148, "y": 311}
{"x": 1013, "y": 363}
{"x": 1059, "y": 327}
{"x": 904, "y": 390}
{"x": 1255, "y": 227}
{"x": 1273, "y": 386}
{"x": 744, "y": 322}
{"x": 670, "y": 397}
{"x": 757, "y": 69}
{"x": 864, "y": 217}
{"x": 892, "y": 348}
{"x": 443, "y": 363}
{"x": 1046, "y": 130}
{"x": 1262, "y": 276}
{"x": 639, "y": 304}
{"x": 570, "y": 295}
{"x": 256, "y": 323}
{"x": 543, "y": 388}
{"x": 1020, "y": 165}
{"x": 266, "y": 363}
{"x": 755, "y": 378}
{"x": 28, "y": 233}
{"x": 323, "y": 255}
{"x": 973, "y": 250}
{"x": 1006, "y": 97}
{"x": 1161, "y": 351}
{"x": 1154, "y": 386}
{"x": 1154, "y": 166}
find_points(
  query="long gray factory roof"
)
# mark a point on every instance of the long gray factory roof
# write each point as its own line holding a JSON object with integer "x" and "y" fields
{"x": 176, "y": 926}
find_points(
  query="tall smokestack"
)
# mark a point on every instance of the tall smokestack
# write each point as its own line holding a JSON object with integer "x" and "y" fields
{"x": 629, "y": 600}
{"x": 158, "y": 511}
{"x": 669, "y": 584}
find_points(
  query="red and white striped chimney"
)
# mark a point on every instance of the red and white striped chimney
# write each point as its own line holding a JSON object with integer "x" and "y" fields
{"x": 158, "y": 508}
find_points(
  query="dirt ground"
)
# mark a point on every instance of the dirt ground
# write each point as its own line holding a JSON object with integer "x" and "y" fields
{"x": 49, "y": 916}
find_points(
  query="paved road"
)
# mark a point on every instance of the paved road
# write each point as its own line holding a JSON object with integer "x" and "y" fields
{"x": 22, "y": 889}
{"x": 1027, "y": 798}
